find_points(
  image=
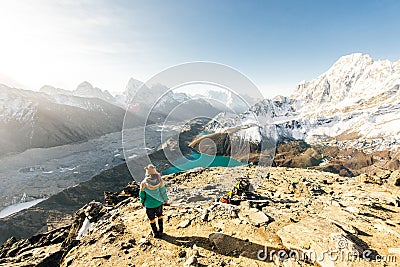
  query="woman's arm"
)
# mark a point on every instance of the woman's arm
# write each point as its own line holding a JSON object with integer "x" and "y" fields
{"x": 142, "y": 194}
{"x": 163, "y": 191}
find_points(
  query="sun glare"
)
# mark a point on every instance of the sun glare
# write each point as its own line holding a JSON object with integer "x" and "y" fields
{"x": 33, "y": 36}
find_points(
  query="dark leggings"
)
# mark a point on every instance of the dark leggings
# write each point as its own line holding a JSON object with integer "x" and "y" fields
{"x": 153, "y": 212}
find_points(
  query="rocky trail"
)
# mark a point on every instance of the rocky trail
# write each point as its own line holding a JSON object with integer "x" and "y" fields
{"x": 308, "y": 215}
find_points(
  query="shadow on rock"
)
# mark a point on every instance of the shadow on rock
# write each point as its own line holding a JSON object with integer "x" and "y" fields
{"x": 224, "y": 245}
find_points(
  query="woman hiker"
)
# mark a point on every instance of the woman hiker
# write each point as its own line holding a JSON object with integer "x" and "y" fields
{"x": 153, "y": 194}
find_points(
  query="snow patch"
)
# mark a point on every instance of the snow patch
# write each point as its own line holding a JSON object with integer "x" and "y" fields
{"x": 18, "y": 207}
{"x": 84, "y": 229}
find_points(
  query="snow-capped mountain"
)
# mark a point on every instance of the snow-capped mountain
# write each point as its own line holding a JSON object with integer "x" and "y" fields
{"x": 356, "y": 103}
{"x": 132, "y": 87}
{"x": 35, "y": 119}
{"x": 85, "y": 89}
{"x": 350, "y": 79}
{"x": 15, "y": 105}
{"x": 75, "y": 98}
{"x": 55, "y": 116}
{"x": 51, "y": 90}
{"x": 161, "y": 102}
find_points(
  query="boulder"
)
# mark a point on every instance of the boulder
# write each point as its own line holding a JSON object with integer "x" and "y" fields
{"x": 183, "y": 224}
{"x": 225, "y": 244}
{"x": 365, "y": 178}
{"x": 191, "y": 262}
{"x": 113, "y": 198}
{"x": 94, "y": 210}
{"x": 315, "y": 237}
{"x": 231, "y": 246}
{"x": 131, "y": 190}
{"x": 253, "y": 216}
{"x": 116, "y": 228}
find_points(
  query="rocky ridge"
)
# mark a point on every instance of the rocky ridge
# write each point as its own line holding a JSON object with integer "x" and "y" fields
{"x": 295, "y": 210}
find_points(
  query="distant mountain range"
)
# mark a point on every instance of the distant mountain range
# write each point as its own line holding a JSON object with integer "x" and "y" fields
{"x": 356, "y": 103}
{"x": 34, "y": 119}
{"x": 353, "y": 104}
{"x": 164, "y": 103}
{"x": 85, "y": 89}
{"x": 54, "y": 116}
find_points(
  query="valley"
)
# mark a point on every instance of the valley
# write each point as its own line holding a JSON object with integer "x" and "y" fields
{"x": 42, "y": 172}
{"x": 58, "y": 209}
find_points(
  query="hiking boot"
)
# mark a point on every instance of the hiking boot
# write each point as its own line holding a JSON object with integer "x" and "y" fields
{"x": 158, "y": 235}
{"x": 154, "y": 229}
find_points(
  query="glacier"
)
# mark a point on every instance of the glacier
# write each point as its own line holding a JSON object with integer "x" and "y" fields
{"x": 355, "y": 103}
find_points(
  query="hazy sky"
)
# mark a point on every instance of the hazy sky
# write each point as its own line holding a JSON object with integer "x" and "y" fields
{"x": 275, "y": 43}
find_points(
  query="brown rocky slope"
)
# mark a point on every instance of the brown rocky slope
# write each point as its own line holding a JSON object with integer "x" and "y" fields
{"x": 299, "y": 154}
{"x": 295, "y": 210}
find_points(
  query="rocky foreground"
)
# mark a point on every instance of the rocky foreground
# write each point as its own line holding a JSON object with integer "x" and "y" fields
{"x": 301, "y": 212}
{"x": 57, "y": 210}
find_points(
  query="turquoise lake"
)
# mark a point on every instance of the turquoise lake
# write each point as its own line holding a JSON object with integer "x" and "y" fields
{"x": 196, "y": 159}
{"x": 204, "y": 133}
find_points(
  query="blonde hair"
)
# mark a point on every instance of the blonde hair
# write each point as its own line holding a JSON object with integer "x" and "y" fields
{"x": 150, "y": 169}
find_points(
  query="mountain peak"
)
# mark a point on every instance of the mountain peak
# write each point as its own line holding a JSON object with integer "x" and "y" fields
{"x": 354, "y": 57}
{"x": 46, "y": 87}
{"x": 86, "y": 85}
{"x": 51, "y": 90}
{"x": 355, "y": 76}
{"x": 135, "y": 81}
{"x": 86, "y": 89}
{"x": 353, "y": 60}
{"x": 133, "y": 86}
